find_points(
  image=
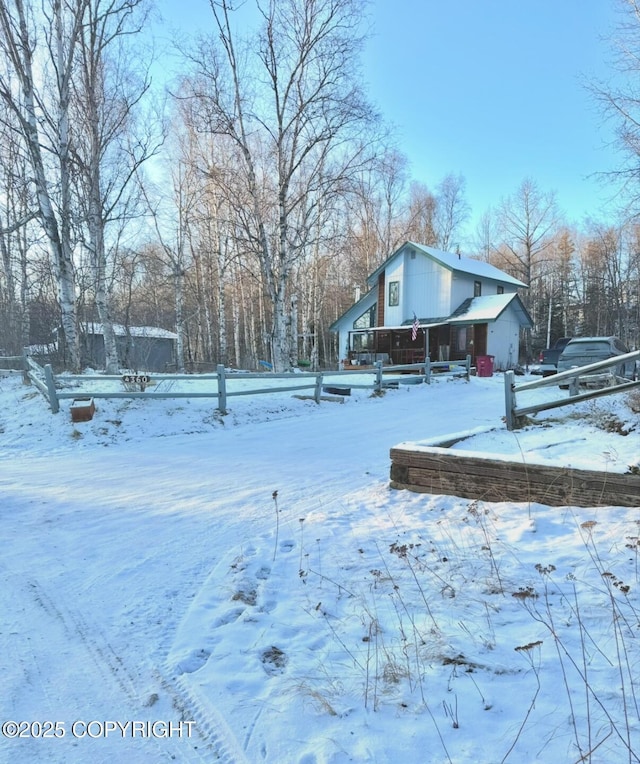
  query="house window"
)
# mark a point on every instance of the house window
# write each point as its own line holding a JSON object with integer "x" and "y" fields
{"x": 362, "y": 341}
{"x": 500, "y": 290}
{"x": 394, "y": 293}
{"x": 477, "y": 288}
{"x": 461, "y": 339}
{"x": 366, "y": 320}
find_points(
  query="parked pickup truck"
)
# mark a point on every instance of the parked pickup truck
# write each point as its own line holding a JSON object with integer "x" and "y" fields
{"x": 549, "y": 357}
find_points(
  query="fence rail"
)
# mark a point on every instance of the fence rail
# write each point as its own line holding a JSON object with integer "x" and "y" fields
{"x": 56, "y": 388}
{"x": 514, "y": 414}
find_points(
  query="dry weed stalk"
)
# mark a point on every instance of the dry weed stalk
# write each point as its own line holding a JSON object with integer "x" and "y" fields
{"x": 599, "y": 713}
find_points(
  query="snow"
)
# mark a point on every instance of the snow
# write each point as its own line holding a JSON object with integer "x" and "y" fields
{"x": 121, "y": 330}
{"x": 485, "y": 308}
{"x": 468, "y": 265}
{"x": 254, "y": 574}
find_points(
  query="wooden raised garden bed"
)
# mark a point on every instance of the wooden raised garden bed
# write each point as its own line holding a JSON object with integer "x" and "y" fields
{"x": 494, "y": 477}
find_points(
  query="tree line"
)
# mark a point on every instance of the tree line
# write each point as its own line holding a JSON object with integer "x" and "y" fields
{"x": 246, "y": 210}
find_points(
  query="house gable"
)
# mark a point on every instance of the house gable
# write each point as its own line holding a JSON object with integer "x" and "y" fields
{"x": 425, "y": 281}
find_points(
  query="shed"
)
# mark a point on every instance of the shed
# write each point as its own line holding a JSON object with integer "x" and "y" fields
{"x": 143, "y": 348}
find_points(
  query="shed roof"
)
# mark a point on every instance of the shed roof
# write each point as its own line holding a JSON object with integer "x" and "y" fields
{"x": 135, "y": 331}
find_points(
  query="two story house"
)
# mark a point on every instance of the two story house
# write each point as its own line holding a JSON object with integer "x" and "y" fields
{"x": 424, "y": 302}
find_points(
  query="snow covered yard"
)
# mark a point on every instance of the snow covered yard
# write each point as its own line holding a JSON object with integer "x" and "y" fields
{"x": 255, "y": 574}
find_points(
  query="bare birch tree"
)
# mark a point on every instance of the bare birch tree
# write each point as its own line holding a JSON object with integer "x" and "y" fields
{"x": 291, "y": 106}
{"x": 17, "y": 210}
{"x": 619, "y": 99}
{"x": 110, "y": 141}
{"x": 41, "y": 109}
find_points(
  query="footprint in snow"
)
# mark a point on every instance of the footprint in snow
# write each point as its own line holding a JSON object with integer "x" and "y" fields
{"x": 229, "y": 617}
{"x": 194, "y": 661}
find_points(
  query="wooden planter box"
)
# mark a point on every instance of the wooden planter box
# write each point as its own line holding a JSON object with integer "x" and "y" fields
{"x": 494, "y": 477}
{"x": 82, "y": 409}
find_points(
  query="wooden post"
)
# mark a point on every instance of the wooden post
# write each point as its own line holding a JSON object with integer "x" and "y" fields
{"x": 509, "y": 399}
{"x": 25, "y": 367}
{"x": 468, "y": 374}
{"x": 378, "y": 385}
{"x": 222, "y": 390}
{"x": 427, "y": 370}
{"x": 51, "y": 389}
{"x": 318, "y": 389}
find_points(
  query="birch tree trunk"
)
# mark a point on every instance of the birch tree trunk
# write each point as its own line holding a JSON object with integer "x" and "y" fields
{"x": 107, "y": 93}
{"x": 290, "y": 109}
{"x": 18, "y": 48}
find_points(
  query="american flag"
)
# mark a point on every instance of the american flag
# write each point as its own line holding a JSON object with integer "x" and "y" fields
{"x": 414, "y": 328}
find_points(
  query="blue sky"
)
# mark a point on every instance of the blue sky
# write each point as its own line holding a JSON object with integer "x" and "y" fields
{"x": 490, "y": 89}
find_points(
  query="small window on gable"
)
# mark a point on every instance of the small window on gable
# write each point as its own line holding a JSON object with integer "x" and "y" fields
{"x": 477, "y": 288}
{"x": 394, "y": 293}
{"x": 500, "y": 289}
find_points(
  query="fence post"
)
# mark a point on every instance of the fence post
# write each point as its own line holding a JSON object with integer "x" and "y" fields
{"x": 468, "y": 374}
{"x": 378, "y": 385}
{"x": 427, "y": 370}
{"x": 51, "y": 389}
{"x": 509, "y": 399}
{"x": 25, "y": 367}
{"x": 317, "y": 393}
{"x": 222, "y": 390}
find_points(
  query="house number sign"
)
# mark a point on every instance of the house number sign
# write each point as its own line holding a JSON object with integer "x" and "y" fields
{"x": 139, "y": 379}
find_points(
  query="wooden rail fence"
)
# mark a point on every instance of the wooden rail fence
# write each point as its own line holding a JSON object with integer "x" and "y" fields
{"x": 57, "y": 387}
{"x": 515, "y": 414}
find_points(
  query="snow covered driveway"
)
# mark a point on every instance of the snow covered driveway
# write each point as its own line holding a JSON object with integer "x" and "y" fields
{"x": 146, "y": 576}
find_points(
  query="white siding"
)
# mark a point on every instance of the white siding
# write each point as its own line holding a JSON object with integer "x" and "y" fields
{"x": 503, "y": 340}
{"x": 427, "y": 288}
{"x": 463, "y": 287}
{"x": 393, "y": 314}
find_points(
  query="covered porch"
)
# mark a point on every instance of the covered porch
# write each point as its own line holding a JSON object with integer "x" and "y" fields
{"x": 395, "y": 345}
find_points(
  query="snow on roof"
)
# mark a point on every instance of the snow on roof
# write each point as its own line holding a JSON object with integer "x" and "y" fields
{"x": 468, "y": 265}
{"x": 135, "y": 331}
{"x": 488, "y": 308}
{"x": 42, "y": 349}
{"x": 455, "y": 262}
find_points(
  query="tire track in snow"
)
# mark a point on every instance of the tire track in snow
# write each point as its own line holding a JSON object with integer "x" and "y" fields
{"x": 68, "y": 639}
